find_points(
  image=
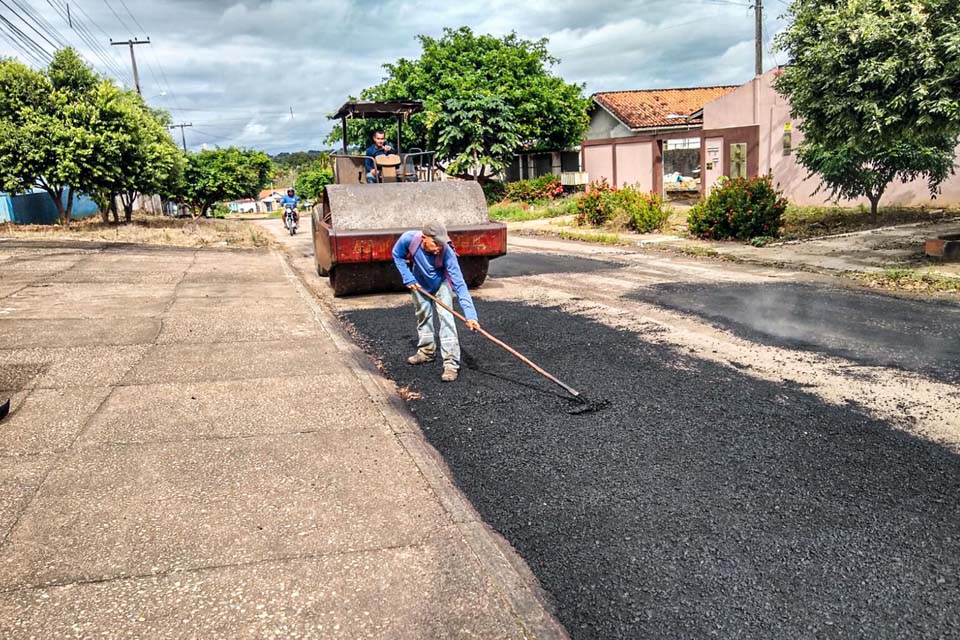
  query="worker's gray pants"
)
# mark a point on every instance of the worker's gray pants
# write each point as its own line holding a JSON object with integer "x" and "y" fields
{"x": 449, "y": 342}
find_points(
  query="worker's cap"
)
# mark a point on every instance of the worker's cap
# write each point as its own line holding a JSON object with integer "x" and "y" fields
{"x": 437, "y": 231}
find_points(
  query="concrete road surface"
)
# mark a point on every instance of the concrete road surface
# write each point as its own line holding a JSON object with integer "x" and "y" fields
{"x": 778, "y": 456}
{"x": 196, "y": 451}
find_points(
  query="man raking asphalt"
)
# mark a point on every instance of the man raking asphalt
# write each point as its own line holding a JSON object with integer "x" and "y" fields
{"x": 428, "y": 265}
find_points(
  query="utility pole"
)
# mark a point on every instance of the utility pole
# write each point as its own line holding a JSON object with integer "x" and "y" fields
{"x": 183, "y": 136}
{"x": 133, "y": 58}
{"x": 758, "y": 13}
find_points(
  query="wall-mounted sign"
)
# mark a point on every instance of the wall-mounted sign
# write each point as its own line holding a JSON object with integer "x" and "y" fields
{"x": 787, "y": 127}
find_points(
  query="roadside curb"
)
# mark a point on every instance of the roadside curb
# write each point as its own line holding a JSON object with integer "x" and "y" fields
{"x": 502, "y": 565}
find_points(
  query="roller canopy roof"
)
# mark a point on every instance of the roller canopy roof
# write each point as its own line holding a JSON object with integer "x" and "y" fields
{"x": 378, "y": 109}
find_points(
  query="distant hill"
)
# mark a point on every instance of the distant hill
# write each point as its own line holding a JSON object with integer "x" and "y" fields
{"x": 299, "y": 159}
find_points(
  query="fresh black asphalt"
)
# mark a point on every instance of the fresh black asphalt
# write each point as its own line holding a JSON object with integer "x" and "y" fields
{"x": 700, "y": 502}
{"x": 533, "y": 264}
{"x": 865, "y": 327}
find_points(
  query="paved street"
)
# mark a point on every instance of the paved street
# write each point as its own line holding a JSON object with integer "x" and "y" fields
{"x": 196, "y": 451}
{"x": 773, "y": 461}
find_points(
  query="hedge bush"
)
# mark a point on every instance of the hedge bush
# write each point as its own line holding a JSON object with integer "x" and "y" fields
{"x": 494, "y": 191}
{"x": 640, "y": 211}
{"x": 742, "y": 208}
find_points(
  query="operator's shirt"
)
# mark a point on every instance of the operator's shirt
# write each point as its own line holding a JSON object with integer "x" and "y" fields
{"x": 295, "y": 201}
{"x": 372, "y": 152}
{"x": 426, "y": 274}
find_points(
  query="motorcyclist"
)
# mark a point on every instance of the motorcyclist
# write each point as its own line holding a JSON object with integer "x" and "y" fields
{"x": 291, "y": 198}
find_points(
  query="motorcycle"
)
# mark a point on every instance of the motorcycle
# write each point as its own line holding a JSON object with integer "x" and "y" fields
{"x": 290, "y": 218}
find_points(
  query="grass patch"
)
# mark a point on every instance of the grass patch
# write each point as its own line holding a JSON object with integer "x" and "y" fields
{"x": 521, "y": 212}
{"x": 703, "y": 252}
{"x": 811, "y": 222}
{"x": 148, "y": 229}
{"x": 601, "y": 238}
{"x": 911, "y": 280}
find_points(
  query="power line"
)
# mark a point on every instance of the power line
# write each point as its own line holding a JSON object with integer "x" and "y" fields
{"x": 18, "y": 44}
{"x": 117, "y": 15}
{"x": 27, "y": 41}
{"x": 87, "y": 16}
{"x": 30, "y": 25}
{"x": 135, "y": 21}
{"x": 150, "y": 66}
{"x": 88, "y": 39}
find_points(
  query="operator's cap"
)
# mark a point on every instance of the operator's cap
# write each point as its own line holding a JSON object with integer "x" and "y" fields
{"x": 437, "y": 231}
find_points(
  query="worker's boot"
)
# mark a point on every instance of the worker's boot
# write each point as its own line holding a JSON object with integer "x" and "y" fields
{"x": 419, "y": 358}
{"x": 449, "y": 374}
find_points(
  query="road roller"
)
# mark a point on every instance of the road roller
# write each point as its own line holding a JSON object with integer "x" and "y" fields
{"x": 355, "y": 229}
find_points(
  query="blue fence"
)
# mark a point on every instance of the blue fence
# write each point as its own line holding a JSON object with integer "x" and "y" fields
{"x": 38, "y": 208}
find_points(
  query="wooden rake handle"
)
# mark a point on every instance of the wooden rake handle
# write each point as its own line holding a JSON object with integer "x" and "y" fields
{"x": 506, "y": 347}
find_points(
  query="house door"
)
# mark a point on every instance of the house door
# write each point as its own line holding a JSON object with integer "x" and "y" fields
{"x": 713, "y": 155}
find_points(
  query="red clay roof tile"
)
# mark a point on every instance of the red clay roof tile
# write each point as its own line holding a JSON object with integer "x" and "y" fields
{"x": 650, "y": 107}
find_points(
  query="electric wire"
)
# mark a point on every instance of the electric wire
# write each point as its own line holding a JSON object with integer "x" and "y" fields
{"x": 132, "y": 17}
{"x": 26, "y": 41}
{"x": 90, "y": 41}
{"x": 19, "y": 44}
{"x": 30, "y": 25}
{"x": 117, "y": 15}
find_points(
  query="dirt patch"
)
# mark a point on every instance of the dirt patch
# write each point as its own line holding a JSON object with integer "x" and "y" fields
{"x": 702, "y": 501}
{"x": 160, "y": 230}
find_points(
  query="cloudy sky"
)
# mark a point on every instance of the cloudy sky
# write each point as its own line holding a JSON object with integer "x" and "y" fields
{"x": 235, "y": 69}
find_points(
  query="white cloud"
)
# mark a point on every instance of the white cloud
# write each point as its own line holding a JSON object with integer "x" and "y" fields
{"x": 235, "y": 67}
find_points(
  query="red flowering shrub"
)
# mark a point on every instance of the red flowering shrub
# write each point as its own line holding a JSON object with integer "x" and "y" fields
{"x": 546, "y": 187}
{"x": 643, "y": 212}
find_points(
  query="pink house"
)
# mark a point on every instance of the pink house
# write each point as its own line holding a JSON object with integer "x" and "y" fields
{"x": 749, "y": 132}
{"x": 647, "y": 137}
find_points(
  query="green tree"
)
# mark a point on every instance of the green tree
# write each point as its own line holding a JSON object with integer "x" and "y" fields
{"x": 874, "y": 83}
{"x": 476, "y": 132}
{"x": 149, "y": 156}
{"x": 222, "y": 174}
{"x": 545, "y": 111}
{"x": 49, "y": 133}
{"x": 311, "y": 181}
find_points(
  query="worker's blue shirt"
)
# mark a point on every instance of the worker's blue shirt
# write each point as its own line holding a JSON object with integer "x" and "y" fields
{"x": 372, "y": 152}
{"x": 294, "y": 200}
{"x": 426, "y": 274}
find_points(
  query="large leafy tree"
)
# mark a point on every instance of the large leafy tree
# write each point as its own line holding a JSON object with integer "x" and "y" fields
{"x": 65, "y": 130}
{"x": 462, "y": 71}
{"x": 48, "y": 137}
{"x": 212, "y": 176}
{"x": 875, "y": 83}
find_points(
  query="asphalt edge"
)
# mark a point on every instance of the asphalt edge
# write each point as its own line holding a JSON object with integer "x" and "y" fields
{"x": 506, "y": 569}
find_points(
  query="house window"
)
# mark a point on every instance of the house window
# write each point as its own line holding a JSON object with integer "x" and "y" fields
{"x": 738, "y": 160}
{"x": 542, "y": 165}
{"x": 569, "y": 161}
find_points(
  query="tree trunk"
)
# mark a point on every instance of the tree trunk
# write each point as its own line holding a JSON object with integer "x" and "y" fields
{"x": 57, "y": 196}
{"x": 69, "y": 210}
{"x": 128, "y": 200}
{"x": 874, "y": 209}
{"x": 113, "y": 208}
